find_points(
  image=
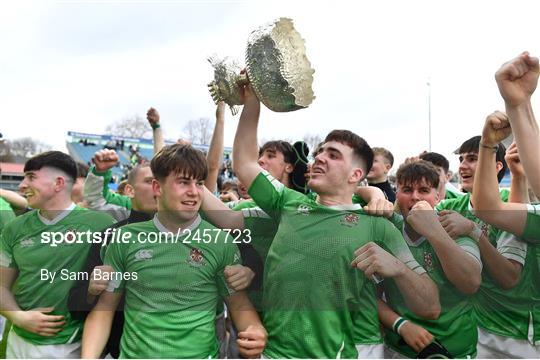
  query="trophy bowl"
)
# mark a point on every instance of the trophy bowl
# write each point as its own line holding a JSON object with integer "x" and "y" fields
{"x": 277, "y": 68}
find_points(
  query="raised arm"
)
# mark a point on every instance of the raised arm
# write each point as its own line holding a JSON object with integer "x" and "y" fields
{"x": 519, "y": 187}
{"x": 16, "y": 201}
{"x": 245, "y": 147}
{"x": 487, "y": 202}
{"x": 220, "y": 214}
{"x": 517, "y": 81}
{"x": 214, "y": 157}
{"x": 157, "y": 133}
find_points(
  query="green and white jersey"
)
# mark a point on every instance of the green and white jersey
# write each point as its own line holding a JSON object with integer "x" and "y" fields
{"x": 456, "y": 326}
{"x": 532, "y": 226}
{"x": 262, "y": 229}
{"x": 172, "y": 290}
{"x": 6, "y": 213}
{"x": 315, "y": 304}
{"x": 99, "y": 197}
{"x": 24, "y": 247}
{"x": 503, "y": 312}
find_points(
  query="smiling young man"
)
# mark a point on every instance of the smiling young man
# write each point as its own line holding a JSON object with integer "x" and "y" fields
{"x": 170, "y": 307}
{"x": 454, "y": 265}
{"x": 37, "y": 307}
{"x": 317, "y": 305}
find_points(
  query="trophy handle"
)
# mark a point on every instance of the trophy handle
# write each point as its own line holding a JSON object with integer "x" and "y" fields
{"x": 242, "y": 79}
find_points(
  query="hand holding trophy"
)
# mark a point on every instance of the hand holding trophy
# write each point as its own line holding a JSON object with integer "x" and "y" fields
{"x": 276, "y": 66}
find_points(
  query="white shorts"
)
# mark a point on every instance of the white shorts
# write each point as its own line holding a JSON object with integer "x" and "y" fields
{"x": 19, "y": 348}
{"x": 492, "y": 346}
{"x": 375, "y": 351}
{"x": 390, "y": 353}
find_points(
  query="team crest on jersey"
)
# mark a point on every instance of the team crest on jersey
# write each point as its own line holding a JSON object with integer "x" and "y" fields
{"x": 349, "y": 220}
{"x": 27, "y": 243}
{"x": 303, "y": 209}
{"x": 428, "y": 261}
{"x": 144, "y": 254}
{"x": 196, "y": 258}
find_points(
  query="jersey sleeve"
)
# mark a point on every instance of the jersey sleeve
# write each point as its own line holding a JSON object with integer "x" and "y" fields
{"x": 393, "y": 241}
{"x": 532, "y": 226}
{"x": 511, "y": 248}
{"x": 6, "y": 249}
{"x": 470, "y": 247}
{"x": 100, "y": 197}
{"x": 231, "y": 256}
{"x": 268, "y": 193}
{"x": 115, "y": 257}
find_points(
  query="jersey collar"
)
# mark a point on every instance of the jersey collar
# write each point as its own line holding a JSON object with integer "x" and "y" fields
{"x": 58, "y": 217}
{"x": 162, "y": 227}
{"x": 409, "y": 241}
{"x": 345, "y": 207}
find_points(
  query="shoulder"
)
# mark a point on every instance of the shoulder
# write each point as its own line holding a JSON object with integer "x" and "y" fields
{"x": 94, "y": 218}
{"x": 18, "y": 223}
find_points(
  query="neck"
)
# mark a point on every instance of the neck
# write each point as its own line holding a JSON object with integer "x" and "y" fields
{"x": 172, "y": 223}
{"x": 334, "y": 199}
{"x": 411, "y": 233}
{"x": 55, "y": 206}
{"x": 378, "y": 180}
{"x": 285, "y": 181}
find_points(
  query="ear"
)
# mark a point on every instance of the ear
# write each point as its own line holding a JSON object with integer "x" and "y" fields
{"x": 289, "y": 168}
{"x": 356, "y": 176}
{"x": 156, "y": 188}
{"x": 129, "y": 191}
{"x": 499, "y": 166}
{"x": 387, "y": 167}
{"x": 59, "y": 183}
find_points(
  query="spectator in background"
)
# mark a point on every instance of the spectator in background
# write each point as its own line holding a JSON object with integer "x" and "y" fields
{"x": 229, "y": 191}
{"x": 78, "y": 187}
{"x": 378, "y": 175}
{"x": 446, "y": 189}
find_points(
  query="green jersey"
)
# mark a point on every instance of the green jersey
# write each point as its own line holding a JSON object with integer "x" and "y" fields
{"x": 172, "y": 288}
{"x": 532, "y": 226}
{"x": 262, "y": 229}
{"x": 503, "y": 312}
{"x": 456, "y": 326}
{"x": 315, "y": 304}
{"x": 26, "y": 247}
{"x": 6, "y": 213}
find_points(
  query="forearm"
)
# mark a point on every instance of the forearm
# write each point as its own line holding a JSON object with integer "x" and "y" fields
{"x": 245, "y": 148}
{"x": 420, "y": 294}
{"x": 387, "y": 316}
{"x": 463, "y": 271}
{"x": 9, "y": 308}
{"x": 16, "y": 201}
{"x": 527, "y": 136}
{"x": 486, "y": 187}
{"x": 215, "y": 154}
{"x": 502, "y": 270}
{"x": 369, "y": 193}
{"x": 219, "y": 214}
{"x": 519, "y": 192}
{"x": 159, "y": 142}
{"x": 97, "y": 329}
{"x": 242, "y": 311}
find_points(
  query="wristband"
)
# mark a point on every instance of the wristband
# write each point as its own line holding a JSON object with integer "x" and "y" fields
{"x": 398, "y": 324}
{"x": 155, "y": 126}
{"x": 476, "y": 233}
{"x": 493, "y": 148}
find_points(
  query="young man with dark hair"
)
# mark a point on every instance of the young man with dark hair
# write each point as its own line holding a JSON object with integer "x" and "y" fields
{"x": 383, "y": 160}
{"x": 315, "y": 306}
{"x": 454, "y": 265}
{"x": 502, "y": 304}
{"x": 171, "y": 305}
{"x": 446, "y": 189}
{"x": 33, "y": 291}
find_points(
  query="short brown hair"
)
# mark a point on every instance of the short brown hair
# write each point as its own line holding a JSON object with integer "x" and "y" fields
{"x": 360, "y": 147}
{"x": 283, "y": 147}
{"x": 414, "y": 172}
{"x": 135, "y": 171}
{"x": 385, "y": 154}
{"x": 179, "y": 159}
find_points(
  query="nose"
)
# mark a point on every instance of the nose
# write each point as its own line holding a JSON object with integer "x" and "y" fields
{"x": 260, "y": 162}
{"x": 192, "y": 189}
{"x": 23, "y": 185}
{"x": 415, "y": 196}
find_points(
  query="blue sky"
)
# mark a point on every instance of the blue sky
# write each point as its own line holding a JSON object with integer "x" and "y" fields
{"x": 80, "y": 65}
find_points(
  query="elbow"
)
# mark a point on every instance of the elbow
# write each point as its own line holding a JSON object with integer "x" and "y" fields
{"x": 471, "y": 285}
{"x": 431, "y": 313}
{"x": 510, "y": 282}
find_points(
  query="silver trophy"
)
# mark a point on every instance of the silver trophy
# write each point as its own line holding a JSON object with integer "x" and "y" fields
{"x": 276, "y": 66}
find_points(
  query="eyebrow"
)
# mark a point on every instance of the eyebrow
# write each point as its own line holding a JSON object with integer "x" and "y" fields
{"x": 332, "y": 149}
